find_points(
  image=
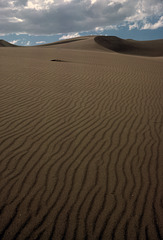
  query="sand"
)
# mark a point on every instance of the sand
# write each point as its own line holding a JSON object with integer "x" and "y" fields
{"x": 81, "y": 143}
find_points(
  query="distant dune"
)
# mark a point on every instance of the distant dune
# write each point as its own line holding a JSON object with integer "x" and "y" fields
{"x": 81, "y": 140}
{"x": 153, "y": 48}
{"x": 4, "y": 43}
{"x": 111, "y": 43}
{"x": 79, "y": 43}
{"x": 143, "y": 48}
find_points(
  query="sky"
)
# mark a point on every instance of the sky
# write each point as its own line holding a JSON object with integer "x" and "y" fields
{"x": 31, "y": 22}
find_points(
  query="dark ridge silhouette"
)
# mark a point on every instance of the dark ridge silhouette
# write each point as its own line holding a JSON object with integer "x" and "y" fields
{"x": 4, "y": 43}
{"x": 153, "y": 48}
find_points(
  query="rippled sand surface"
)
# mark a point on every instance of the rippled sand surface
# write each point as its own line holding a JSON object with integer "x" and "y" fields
{"x": 81, "y": 143}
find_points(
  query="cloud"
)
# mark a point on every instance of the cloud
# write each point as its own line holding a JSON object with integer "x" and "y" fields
{"x": 99, "y": 29}
{"x": 132, "y": 26}
{"x": 41, "y": 42}
{"x": 69, "y": 36}
{"x": 68, "y": 1}
{"x": 28, "y": 43}
{"x": 15, "y": 20}
{"x": 15, "y": 41}
{"x": 145, "y": 9}
{"x": 155, "y": 25}
{"x": 43, "y": 17}
{"x": 39, "y": 4}
{"x": 93, "y": 1}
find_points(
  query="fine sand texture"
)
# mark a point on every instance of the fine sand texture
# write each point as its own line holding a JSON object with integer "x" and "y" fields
{"x": 81, "y": 141}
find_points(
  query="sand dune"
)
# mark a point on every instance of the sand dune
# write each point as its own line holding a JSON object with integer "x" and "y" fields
{"x": 79, "y": 43}
{"x": 80, "y": 143}
{"x": 143, "y": 48}
{"x": 6, "y": 44}
{"x": 66, "y": 41}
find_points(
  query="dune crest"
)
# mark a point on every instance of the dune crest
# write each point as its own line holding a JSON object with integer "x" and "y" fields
{"x": 4, "y": 43}
{"x": 152, "y": 48}
{"x": 80, "y": 43}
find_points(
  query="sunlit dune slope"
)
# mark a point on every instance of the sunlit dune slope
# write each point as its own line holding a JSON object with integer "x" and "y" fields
{"x": 79, "y": 43}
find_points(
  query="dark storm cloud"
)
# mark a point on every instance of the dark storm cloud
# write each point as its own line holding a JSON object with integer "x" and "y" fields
{"x": 47, "y": 17}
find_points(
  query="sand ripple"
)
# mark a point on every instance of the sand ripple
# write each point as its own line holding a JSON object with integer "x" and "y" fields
{"x": 80, "y": 146}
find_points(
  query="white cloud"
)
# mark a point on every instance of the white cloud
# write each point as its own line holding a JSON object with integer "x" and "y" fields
{"x": 99, "y": 29}
{"x": 15, "y": 20}
{"x": 69, "y": 36}
{"x": 49, "y": 1}
{"x": 15, "y": 41}
{"x": 68, "y": 1}
{"x": 40, "y": 42}
{"x": 28, "y": 43}
{"x": 155, "y": 25}
{"x": 93, "y": 1}
{"x": 132, "y": 26}
{"x": 145, "y": 9}
{"x": 113, "y": 2}
{"x": 39, "y": 4}
{"x": 110, "y": 27}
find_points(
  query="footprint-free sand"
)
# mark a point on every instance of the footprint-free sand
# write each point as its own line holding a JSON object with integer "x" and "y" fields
{"x": 81, "y": 141}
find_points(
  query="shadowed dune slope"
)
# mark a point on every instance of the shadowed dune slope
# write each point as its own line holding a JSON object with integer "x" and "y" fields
{"x": 81, "y": 144}
{"x": 143, "y": 48}
{"x": 4, "y": 43}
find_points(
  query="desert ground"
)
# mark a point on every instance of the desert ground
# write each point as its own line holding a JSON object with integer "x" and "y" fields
{"x": 81, "y": 140}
